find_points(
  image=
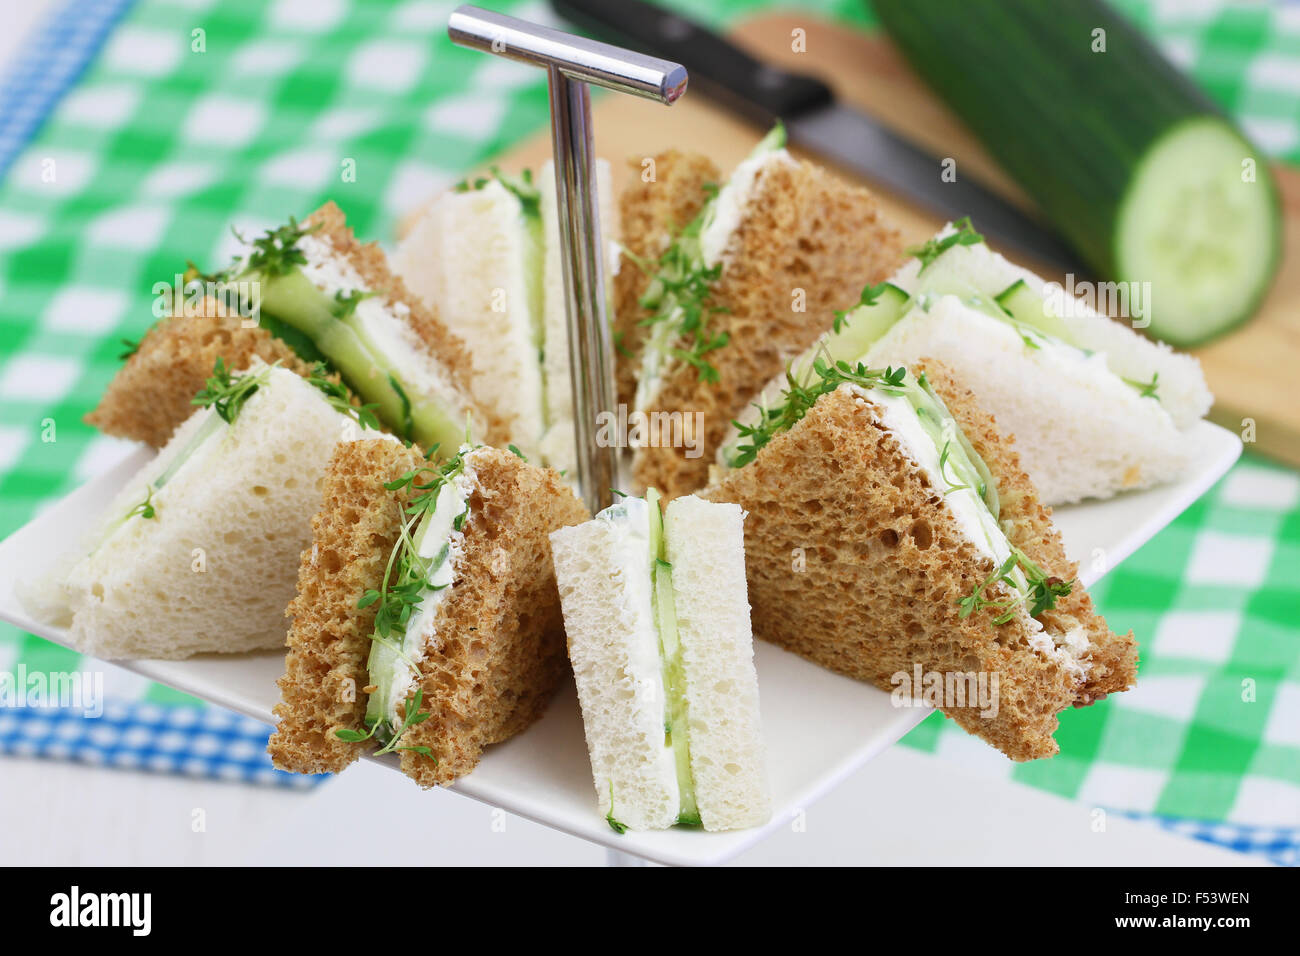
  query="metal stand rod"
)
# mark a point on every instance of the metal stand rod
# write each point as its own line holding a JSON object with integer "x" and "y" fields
{"x": 571, "y": 63}
{"x": 581, "y": 245}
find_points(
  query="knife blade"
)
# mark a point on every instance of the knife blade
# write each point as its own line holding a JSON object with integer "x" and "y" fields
{"x": 815, "y": 121}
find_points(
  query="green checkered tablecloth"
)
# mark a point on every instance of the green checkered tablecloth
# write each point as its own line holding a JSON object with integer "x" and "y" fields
{"x": 195, "y": 115}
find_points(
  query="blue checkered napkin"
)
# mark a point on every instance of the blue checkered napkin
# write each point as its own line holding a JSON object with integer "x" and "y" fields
{"x": 50, "y": 61}
{"x": 206, "y": 742}
{"x": 188, "y": 739}
{"x": 1281, "y": 845}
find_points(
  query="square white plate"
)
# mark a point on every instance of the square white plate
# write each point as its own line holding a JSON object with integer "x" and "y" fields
{"x": 819, "y": 726}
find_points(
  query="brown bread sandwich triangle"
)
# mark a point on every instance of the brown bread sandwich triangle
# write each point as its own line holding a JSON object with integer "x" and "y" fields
{"x": 316, "y": 300}
{"x": 427, "y": 620}
{"x": 652, "y": 212}
{"x": 890, "y": 525}
{"x": 739, "y": 291}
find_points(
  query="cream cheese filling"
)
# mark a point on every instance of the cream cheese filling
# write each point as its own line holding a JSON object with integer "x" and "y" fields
{"x": 630, "y": 573}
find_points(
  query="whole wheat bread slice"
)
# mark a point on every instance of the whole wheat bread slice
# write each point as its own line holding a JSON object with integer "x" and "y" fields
{"x": 150, "y": 395}
{"x": 1029, "y": 525}
{"x": 500, "y": 634}
{"x": 855, "y": 563}
{"x": 651, "y": 213}
{"x": 808, "y": 239}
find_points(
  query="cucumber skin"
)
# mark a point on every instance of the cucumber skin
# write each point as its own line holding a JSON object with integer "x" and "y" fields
{"x": 1076, "y": 162}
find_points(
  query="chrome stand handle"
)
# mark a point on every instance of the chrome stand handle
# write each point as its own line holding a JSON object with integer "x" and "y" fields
{"x": 572, "y": 63}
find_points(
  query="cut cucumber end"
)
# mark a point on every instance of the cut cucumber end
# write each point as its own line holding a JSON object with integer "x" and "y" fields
{"x": 1200, "y": 223}
{"x": 862, "y": 327}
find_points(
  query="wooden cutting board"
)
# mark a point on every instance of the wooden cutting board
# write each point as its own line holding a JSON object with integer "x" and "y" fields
{"x": 1253, "y": 371}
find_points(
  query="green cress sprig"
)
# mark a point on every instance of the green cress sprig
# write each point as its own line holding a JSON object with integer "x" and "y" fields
{"x": 339, "y": 397}
{"x": 953, "y": 484}
{"x": 412, "y": 715}
{"x": 277, "y": 252}
{"x": 144, "y": 509}
{"x": 273, "y": 254}
{"x": 1041, "y": 594}
{"x": 521, "y": 186}
{"x": 679, "y": 293}
{"x": 1146, "y": 389}
{"x": 615, "y": 825}
{"x": 227, "y": 393}
{"x": 870, "y": 294}
{"x": 963, "y": 234}
{"x": 406, "y": 581}
{"x": 345, "y": 303}
{"x": 797, "y": 399}
{"x": 406, "y": 577}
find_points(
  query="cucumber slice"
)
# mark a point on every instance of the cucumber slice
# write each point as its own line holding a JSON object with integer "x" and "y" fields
{"x": 675, "y": 716}
{"x": 1205, "y": 240}
{"x": 301, "y": 343}
{"x": 774, "y": 139}
{"x": 860, "y": 328}
{"x": 1029, "y": 308}
{"x": 293, "y": 301}
{"x": 656, "y": 518}
{"x": 1125, "y": 156}
{"x": 670, "y": 655}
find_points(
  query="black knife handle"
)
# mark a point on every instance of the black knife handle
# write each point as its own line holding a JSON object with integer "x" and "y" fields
{"x": 759, "y": 91}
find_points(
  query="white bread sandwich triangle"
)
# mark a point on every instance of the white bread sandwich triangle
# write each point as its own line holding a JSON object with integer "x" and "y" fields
{"x": 197, "y": 552}
{"x": 1095, "y": 407}
{"x": 486, "y": 256}
{"x": 741, "y": 290}
{"x": 925, "y": 549}
{"x": 659, "y": 637}
{"x": 427, "y": 622}
{"x": 305, "y": 295}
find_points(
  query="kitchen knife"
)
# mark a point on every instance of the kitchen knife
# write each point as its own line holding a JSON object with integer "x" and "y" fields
{"x": 814, "y": 120}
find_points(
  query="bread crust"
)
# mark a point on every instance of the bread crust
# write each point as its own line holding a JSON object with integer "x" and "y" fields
{"x": 499, "y": 635}
{"x": 805, "y": 230}
{"x": 855, "y": 563}
{"x": 153, "y": 392}
{"x": 353, "y": 533}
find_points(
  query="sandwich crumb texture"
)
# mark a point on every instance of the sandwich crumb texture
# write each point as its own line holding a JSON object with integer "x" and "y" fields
{"x": 498, "y": 651}
{"x": 857, "y": 565}
{"x": 605, "y": 593}
{"x": 213, "y": 570}
{"x": 728, "y": 762}
{"x": 804, "y": 229}
{"x": 497, "y": 648}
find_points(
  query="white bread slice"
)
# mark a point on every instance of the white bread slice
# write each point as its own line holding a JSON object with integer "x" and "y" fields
{"x": 1182, "y": 390}
{"x": 474, "y": 257}
{"x": 1080, "y": 430}
{"x": 706, "y": 548}
{"x": 557, "y": 446}
{"x": 603, "y": 572}
{"x": 214, "y": 569}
